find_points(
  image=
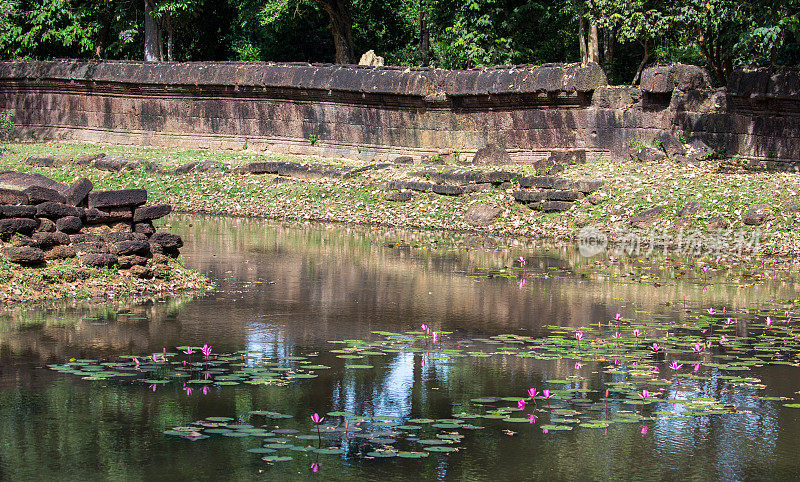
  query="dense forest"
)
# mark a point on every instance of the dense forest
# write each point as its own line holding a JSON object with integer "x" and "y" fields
{"x": 622, "y": 35}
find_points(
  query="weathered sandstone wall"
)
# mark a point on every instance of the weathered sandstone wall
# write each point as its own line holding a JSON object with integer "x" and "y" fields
{"x": 379, "y": 113}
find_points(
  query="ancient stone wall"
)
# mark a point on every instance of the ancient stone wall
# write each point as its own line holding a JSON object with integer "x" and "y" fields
{"x": 377, "y": 113}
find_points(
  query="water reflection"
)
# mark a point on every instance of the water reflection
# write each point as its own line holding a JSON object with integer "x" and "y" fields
{"x": 285, "y": 290}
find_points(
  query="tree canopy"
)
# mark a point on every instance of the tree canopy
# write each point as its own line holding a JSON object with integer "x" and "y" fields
{"x": 622, "y": 35}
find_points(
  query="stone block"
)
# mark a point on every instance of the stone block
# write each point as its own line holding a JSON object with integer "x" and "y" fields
{"x": 121, "y": 198}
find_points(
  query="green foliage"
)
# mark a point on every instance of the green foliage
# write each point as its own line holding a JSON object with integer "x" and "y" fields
{"x": 6, "y": 123}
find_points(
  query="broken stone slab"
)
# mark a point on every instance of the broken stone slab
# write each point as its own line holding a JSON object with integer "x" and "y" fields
{"x": 17, "y": 211}
{"x": 663, "y": 79}
{"x": 24, "y": 226}
{"x": 167, "y": 240}
{"x": 23, "y": 180}
{"x": 650, "y": 154}
{"x": 541, "y": 182}
{"x": 671, "y": 145}
{"x": 398, "y": 196}
{"x": 60, "y": 252}
{"x": 757, "y": 214}
{"x": 492, "y": 154}
{"x": 54, "y": 210}
{"x": 482, "y": 215}
{"x": 90, "y": 247}
{"x": 127, "y": 262}
{"x": 447, "y": 190}
{"x": 131, "y": 247}
{"x": 97, "y": 216}
{"x": 586, "y": 187}
{"x": 115, "y": 163}
{"x": 692, "y": 207}
{"x": 647, "y": 218}
{"x": 717, "y": 223}
{"x": 45, "y": 225}
{"x": 25, "y": 255}
{"x": 550, "y": 206}
{"x": 48, "y": 240}
{"x": 403, "y": 160}
{"x": 77, "y": 192}
{"x": 121, "y": 198}
{"x": 39, "y": 194}
{"x": 413, "y": 185}
{"x": 44, "y": 161}
{"x": 69, "y": 224}
{"x": 97, "y": 260}
{"x": 145, "y": 228}
{"x": 12, "y": 197}
{"x": 547, "y": 195}
{"x": 149, "y": 213}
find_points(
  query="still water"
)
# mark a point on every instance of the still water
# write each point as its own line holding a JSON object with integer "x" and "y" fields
{"x": 288, "y": 290}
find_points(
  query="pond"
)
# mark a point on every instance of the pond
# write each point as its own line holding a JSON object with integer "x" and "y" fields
{"x": 419, "y": 350}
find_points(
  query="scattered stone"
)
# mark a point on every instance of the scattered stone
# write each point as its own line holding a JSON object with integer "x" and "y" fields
{"x": 132, "y": 247}
{"x": 89, "y": 247}
{"x": 717, "y": 222}
{"x": 17, "y": 211}
{"x": 48, "y": 240}
{"x": 493, "y": 155}
{"x": 757, "y": 215}
{"x": 167, "y": 241}
{"x": 88, "y": 160}
{"x": 46, "y": 161}
{"x": 85, "y": 238}
{"x": 145, "y": 228}
{"x": 447, "y": 190}
{"x": 541, "y": 182}
{"x": 692, "y": 207}
{"x": 21, "y": 180}
{"x": 60, "y": 252}
{"x": 53, "y": 210}
{"x": 25, "y": 255}
{"x": 121, "y": 198}
{"x": 115, "y": 163}
{"x": 683, "y": 223}
{"x": 211, "y": 166}
{"x": 78, "y": 191}
{"x": 403, "y": 160}
{"x": 647, "y": 218}
{"x": 99, "y": 260}
{"x": 549, "y": 195}
{"x": 69, "y": 224}
{"x": 791, "y": 205}
{"x": 596, "y": 198}
{"x": 435, "y": 159}
{"x": 12, "y": 197}
{"x": 650, "y": 154}
{"x": 551, "y": 206}
{"x": 126, "y": 262}
{"x": 160, "y": 259}
{"x": 149, "y": 213}
{"x": 38, "y": 195}
{"x": 482, "y": 215}
{"x": 671, "y": 145}
{"x": 140, "y": 272}
{"x": 20, "y": 240}
{"x": 24, "y": 226}
{"x": 397, "y": 196}
{"x": 46, "y": 226}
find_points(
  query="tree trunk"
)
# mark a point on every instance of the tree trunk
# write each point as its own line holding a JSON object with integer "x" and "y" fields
{"x": 153, "y": 44}
{"x": 593, "y": 45}
{"x": 424, "y": 39}
{"x": 608, "y": 45}
{"x": 170, "y": 32}
{"x": 645, "y": 58}
{"x": 582, "y": 39}
{"x": 341, "y": 28}
{"x": 105, "y": 27}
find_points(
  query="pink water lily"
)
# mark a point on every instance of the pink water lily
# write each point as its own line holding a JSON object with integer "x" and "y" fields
{"x": 711, "y": 311}
{"x": 154, "y": 357}
{"x": 522, "y": 261}
{"x": 697, "y": 347}
{"x": 521, "y": 283}
{"x": 317, "y": 419}
{"x": 696, "y": 367}
{"x": 206, "y": 351}
{"x": 188, "y": 391}
{"x": 655, "y": 346}
{"x": 578, "y": 365}
{"x": 532, "y": 392}
{"x": 636, "y": 332}
{"x": 315, "y": 467}
{"x": 617, "y": 335}
{"x": 205, "y": 390}
{"x": 769, "y": 321}
{"x": 424, "y": 327}
{"x": 618, "y": 316}
{"x": 579, "y": 335}
{"x": 675, "y": 365}
{"x": 434, "y": 336}
{"x": 532, "y": 418}
{"x": 644, "y": 430}
{"x": 188, "y": 350}
{"x": 153, "y": 387}
{"x": 723, "y": 339}
{"x": 521, "y": 404}
{"x": 645, "y": 394}
{"x": 136, "y": 362}
{"x": 546, "y": 394}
